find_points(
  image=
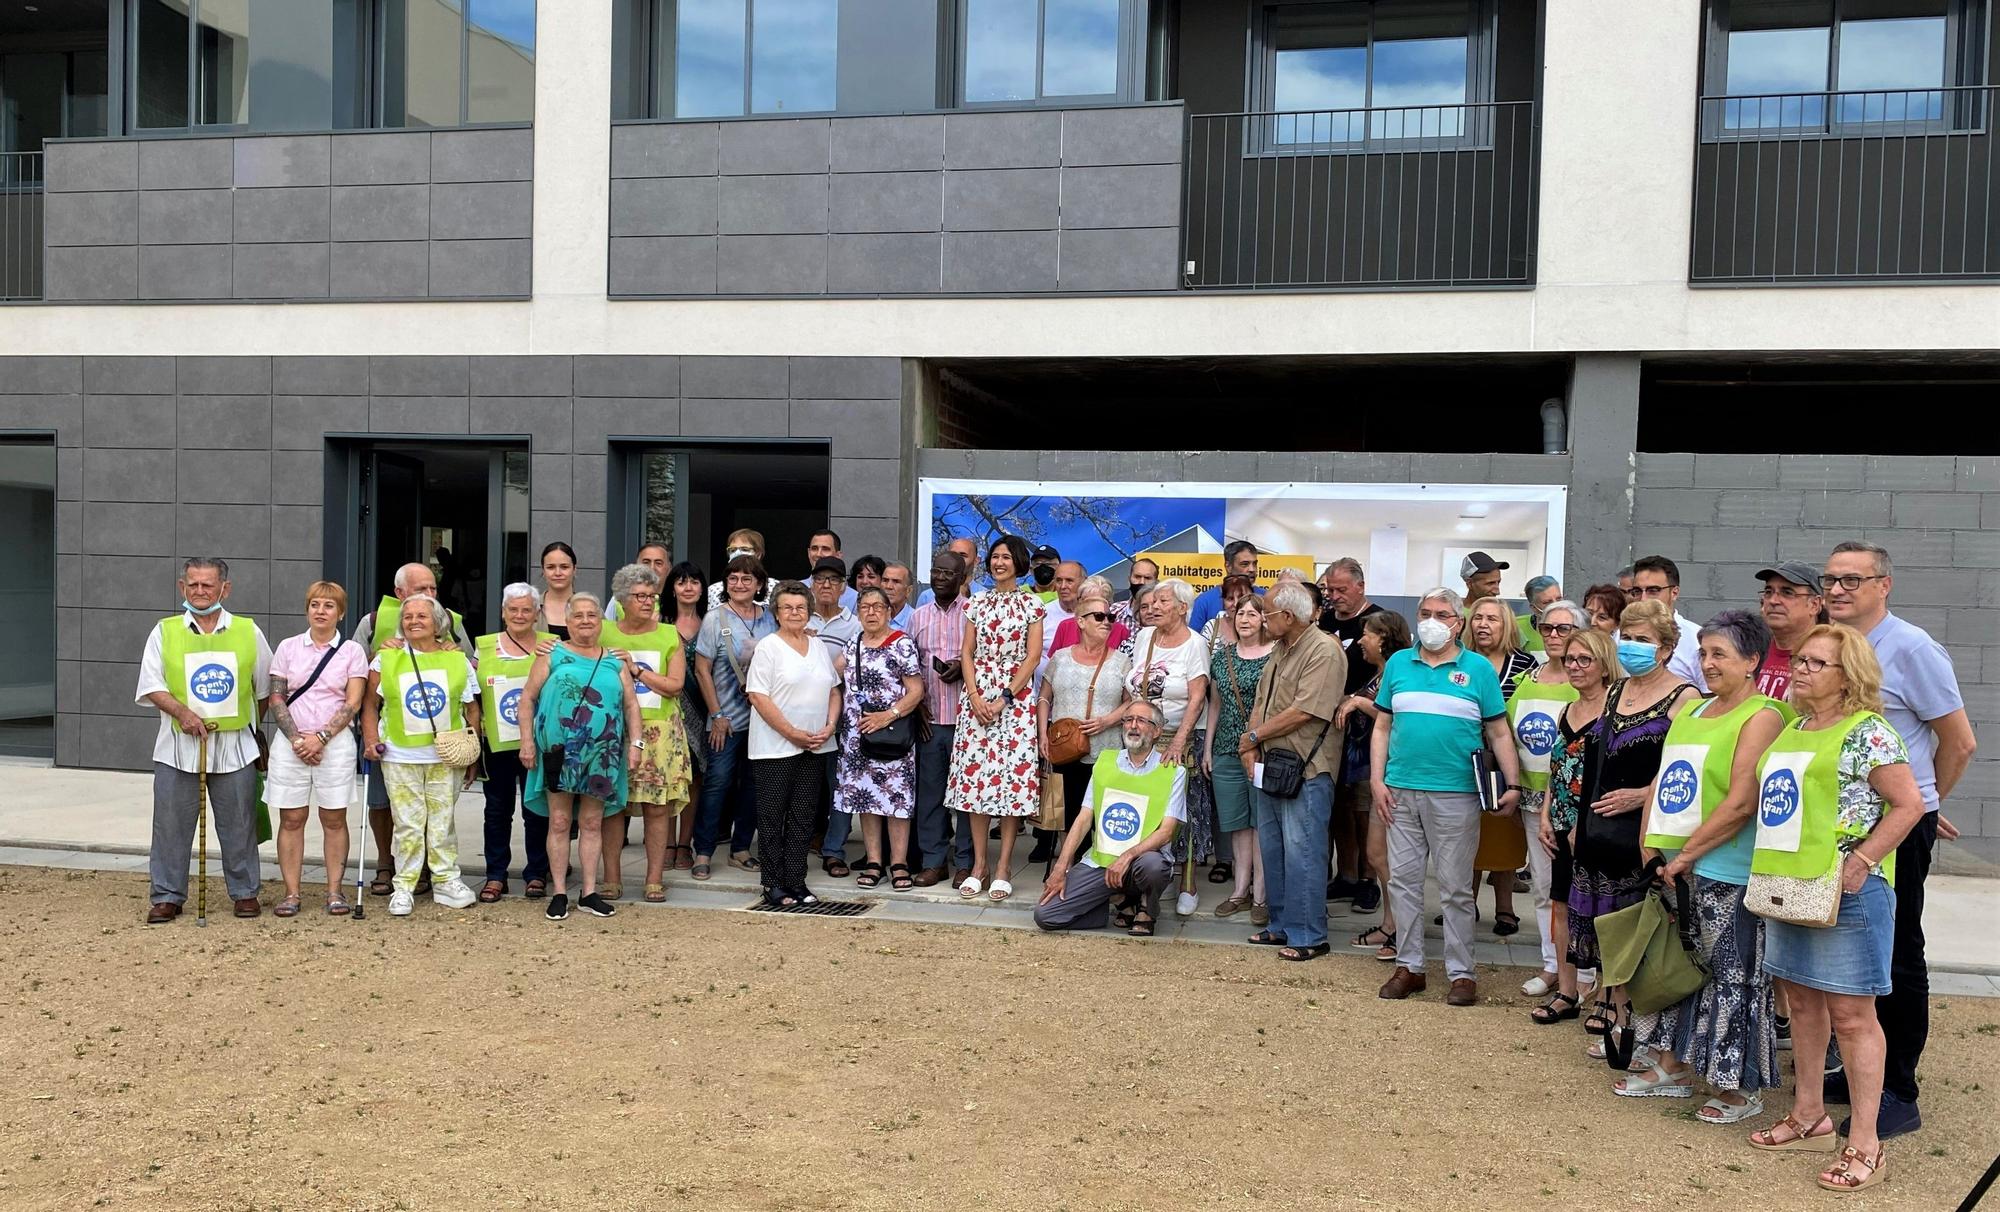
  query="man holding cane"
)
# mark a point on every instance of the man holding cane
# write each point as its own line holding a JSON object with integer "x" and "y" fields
{"x": 207, "y": 672}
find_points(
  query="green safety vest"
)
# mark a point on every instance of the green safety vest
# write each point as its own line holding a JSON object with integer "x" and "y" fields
{"x": 407, "y": 719}
{"x": 1127, "y": 808}
{"x": 501, "y": 680}
{"x": 207, "y": 672}
{"x": 653, "y": 650}
{"x": 1694, "y": 769}
{"x": 1798, "y": 804}
{"x": 1531, "y": 640}
{"x": 389, "y": 616}
{"x": 1534, "y": 712}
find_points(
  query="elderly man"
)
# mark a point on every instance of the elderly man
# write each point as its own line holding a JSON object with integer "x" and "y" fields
{"x": 656, "y": 557}
{"x": 1137, "y": 803}
{"x": 1540, "y": 591}
{"x": 1921, "y": 699}
{"x": 1062, "y": 608}
{"x": 1042, "y": 564}
{"x": 1656, "y": 576}
{"x": 1439, "y": 703}
{"x": 1292, "y": 715}
{"x": 1345, "y": 587}
{"x": 822, "y": 546}
{"x": 1139, "y": 577}
{"x": 896, "y": 582}
{"x": 1791, "y": 605}
{"x": 207, "y": 672}
{"x": 970, "y": 582}
{"x": 939, "y": 633}
{"x": 1238, "y": 559}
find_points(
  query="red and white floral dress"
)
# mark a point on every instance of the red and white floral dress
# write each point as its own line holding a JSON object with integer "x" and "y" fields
{"x": 996, "y": 768}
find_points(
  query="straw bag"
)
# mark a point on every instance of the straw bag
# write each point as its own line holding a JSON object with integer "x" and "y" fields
{"x": 457, "y": 747}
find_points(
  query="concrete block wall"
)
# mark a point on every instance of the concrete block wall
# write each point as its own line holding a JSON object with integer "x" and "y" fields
{"x": 159, "y": 458}
{"x": 425, "y": 214}
{"x": 961, "y": 203}
{"x": 1724, "y": 516}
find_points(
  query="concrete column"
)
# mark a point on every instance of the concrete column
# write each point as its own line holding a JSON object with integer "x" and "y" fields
{"x": 572, "y": 148}
{"x": 1603, "y": 433}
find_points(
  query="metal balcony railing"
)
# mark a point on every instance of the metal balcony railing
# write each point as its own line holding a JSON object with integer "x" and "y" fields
{"x": 20, "y": 225}
{"x": 1417, "y": 196}
{"x": 1867, "y": 185}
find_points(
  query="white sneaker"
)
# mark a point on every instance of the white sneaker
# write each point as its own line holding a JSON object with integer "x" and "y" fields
{"x": 401, "y": 903}
{"x": 453, "y": 894}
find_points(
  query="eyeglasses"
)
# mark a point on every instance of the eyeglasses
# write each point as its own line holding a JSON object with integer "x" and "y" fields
{"x": 1579, "y": 662}
{"x": 1813, "y": 664}
{"x": 1096, "y": 616}
{"x": 1649, "y": 591}
{"x": 1442, "y": 616}
{"x": 872, "y": 606}
{"x": 1784, "y": 591}
{"x": 1557, "y": 629}
{"x": 1850, "y": 582}
{"x": 644, "y": 597}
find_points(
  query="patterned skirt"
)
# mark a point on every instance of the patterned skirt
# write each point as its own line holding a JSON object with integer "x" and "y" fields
{"x": 1593, "y": 894}
{"x": 1726, "y": 1031}
{"x": 1200, "y": 807}
{"x": 662, "y": 773}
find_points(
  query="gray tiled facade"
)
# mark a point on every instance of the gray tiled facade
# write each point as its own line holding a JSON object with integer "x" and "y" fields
{"x": 164, "y": 457}
{"x": 443, "y": 214}
{"x": 961, "y": 203}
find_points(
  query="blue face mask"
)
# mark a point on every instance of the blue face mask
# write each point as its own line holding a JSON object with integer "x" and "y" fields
{"x": 191, "y": 608}
{"x": 1638, "y": 657}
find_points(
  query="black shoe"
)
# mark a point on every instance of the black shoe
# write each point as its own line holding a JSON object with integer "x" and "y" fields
{"x": 1042, "y": 852}
{"x": 1834, "y": 1086}
{"x": 1896, "y": 1118}
{"x": 1341, "y": 889}
{"x": 558, "y": 907}
{"x": 1367, "y": 896}
{"x": 595, "y": 902}
{"x": 804, "y": 895}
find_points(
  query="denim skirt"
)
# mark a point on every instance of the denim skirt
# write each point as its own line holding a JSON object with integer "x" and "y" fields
{"x": 1850, "y": 957}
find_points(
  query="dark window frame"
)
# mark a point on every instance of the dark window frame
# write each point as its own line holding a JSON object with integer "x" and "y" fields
{"x": 1134, "y": 28}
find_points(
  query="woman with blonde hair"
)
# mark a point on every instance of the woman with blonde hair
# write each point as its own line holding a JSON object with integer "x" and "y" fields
{"x": 1492, "y": 632}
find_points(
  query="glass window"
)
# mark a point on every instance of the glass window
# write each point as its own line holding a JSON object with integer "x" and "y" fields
{"x": 89, "y": 87}
{"x": 500, "y": 61}
{"x": 1886, "y": 46}
{"x": 1796, "y": 64}
{"x": 31, "y": 100}
{"x": 427, "y": 52}
{"x": 453, "y": 62}
{"x": 1079, "y": 48}
{"x": 160, "y": 64}
{"x": 1000, "y": 50}
{"x": 222, "y": 42}
{"x": 1038, "y": 51}
{"x": 1343, "y": 73}
{"x": 793, "y": 48}
{"x": 709, "y": 58}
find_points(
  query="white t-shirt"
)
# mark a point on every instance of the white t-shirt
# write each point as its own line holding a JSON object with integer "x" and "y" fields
{"x": 797, "y": 684}
{"x": 1166, "y": 680}
{"x": 433, "y": 664}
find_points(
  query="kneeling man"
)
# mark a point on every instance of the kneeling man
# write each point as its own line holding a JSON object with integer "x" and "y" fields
{"x": 1137, "y": 804}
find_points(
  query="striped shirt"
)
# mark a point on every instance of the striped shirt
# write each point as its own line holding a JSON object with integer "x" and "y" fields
{"x": 1437, "y": 713}
{"x": 940, "y": 636}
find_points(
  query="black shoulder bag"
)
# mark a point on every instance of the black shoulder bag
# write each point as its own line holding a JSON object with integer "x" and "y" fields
{"x": 1284, "y": 770}
{"x": 893, "y": 741}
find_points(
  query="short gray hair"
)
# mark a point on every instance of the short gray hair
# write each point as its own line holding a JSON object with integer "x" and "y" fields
{"x": 429, "y": 603}
{"x": 1348, "y": 565}
{"x": 1746, "y": 631}
{"x": 1293, "y": 599}
{"x": 631, "y": 577}
{"x": 1450, "y": 597}
{"x": 1182, "y": 591}
{"x": 1574, "y": 611}
{"x": 1882, "y": 566}
{"x": 220, "y": 565}
{"x": 911, "y": 573}
{"x": 1154, "y": 709}
{"x": 521, "y": 589}
{"x": 1097, "y": 585}
{"x": 584, "y": 595}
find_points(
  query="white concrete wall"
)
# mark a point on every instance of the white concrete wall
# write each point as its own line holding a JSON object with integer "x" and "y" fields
{"x": 1618, "y": 121}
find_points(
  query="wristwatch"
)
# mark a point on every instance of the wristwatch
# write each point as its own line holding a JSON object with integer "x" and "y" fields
{"x": 321, "y": 734}
{"x": 1007, "y": 693}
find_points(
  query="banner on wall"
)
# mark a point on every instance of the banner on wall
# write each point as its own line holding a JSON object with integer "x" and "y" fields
{"x": 1408, "y": 537}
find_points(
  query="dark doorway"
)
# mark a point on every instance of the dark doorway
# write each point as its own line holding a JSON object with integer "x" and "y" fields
{"x": 461, "y": 508}
{"x": 692, "y": 497}
{"x": 28, "y": 598}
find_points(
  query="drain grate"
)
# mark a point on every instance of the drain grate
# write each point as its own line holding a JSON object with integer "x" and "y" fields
{"x": 823, "y": 909}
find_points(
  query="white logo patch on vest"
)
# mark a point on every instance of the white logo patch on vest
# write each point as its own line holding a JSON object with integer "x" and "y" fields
{"x": 1118, "y": 825}
{"x": 211, "y": 681}
{"x": 648, "y": 660}
{"x": 507, "y": 696}
{"x": 425, "y": 703}
{"x": 1678, "y": 790}
{"x": 1779, "y": 823}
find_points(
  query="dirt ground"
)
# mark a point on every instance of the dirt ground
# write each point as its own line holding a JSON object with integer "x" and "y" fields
{"x": 490, "y": 1059}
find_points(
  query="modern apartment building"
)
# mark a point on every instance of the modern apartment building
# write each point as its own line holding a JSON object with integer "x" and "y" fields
{"x": 315, "y": 286}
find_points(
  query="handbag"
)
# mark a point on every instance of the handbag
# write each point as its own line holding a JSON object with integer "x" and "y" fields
{"x": 1651, "y": 949}
{"x": 1795, "y": 900}
{"x": 1284, "y": 770}
{"x": 1067, "y": 740}
{"x": 894, "y": 740}
{"x": 457, "y": 747}
{"x": 1055, "y": 804}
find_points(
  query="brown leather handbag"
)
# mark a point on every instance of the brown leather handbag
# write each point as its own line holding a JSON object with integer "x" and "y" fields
{"x": 1067, "y": 740}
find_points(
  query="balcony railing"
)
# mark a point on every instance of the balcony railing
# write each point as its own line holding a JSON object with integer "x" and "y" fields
{"x": 1868, "y": 185}
{"x": 1417, "y": 196}
{"x": 20, "y": 225}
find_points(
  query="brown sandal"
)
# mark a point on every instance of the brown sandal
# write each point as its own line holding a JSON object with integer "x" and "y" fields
{"x": 1816, "y": 1142}
{"x": 491, "y": 892}
{"x": 1841, "y": 1177}
{"x": 656, "y": 893}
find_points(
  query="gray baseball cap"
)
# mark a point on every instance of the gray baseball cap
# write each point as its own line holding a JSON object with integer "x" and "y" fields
{"x": 1798, "y": 572}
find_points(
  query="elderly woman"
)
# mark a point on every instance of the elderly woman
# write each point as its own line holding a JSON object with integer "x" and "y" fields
{"x": 657, "y": 785}
{"x": 1603, "y": 604}
{"x": 1702, "y": 800}
{"x": 1532, "y": 708}
{"x": 740, "y": 544}
{"x": 1383, "y": 634}
{"x": 559, "y": 574}
{"x": 1170, "y": 667}
{"x": 317, "y": 680}
{"x": 1835, "y": 790}
{"x": 416, "y": 693}
{"x": 580, "y": 733}
{"x": 1491, "y": 631}
{"x": 1590, "y": 663}
{"x": 506, "y": 658}
{"x": 1069, "y": 631}
{"x": 684, "y": 605}
{"x": 1085, "y": 682}
{"x": 995, "y": 760}
{"x": 722, "y": 658}
{"x": 1233, "y": 668}
{"x": 794, "y": 693}
{"x": 1609, "y": 872}
{"x": 882, "y": 682}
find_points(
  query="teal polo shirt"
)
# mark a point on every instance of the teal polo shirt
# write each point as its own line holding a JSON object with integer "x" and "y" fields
{"x": 1437, "y": 715}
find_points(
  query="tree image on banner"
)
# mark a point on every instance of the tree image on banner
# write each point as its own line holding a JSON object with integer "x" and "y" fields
{"x": 1041, "y": 519}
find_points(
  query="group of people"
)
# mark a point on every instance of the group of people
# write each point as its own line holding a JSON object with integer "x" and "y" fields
{"x": 1306, "y": 744}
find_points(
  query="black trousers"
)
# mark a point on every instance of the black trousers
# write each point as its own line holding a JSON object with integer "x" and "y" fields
{"x": 1905, "y": 1013}
{"x": 788, "y": 796}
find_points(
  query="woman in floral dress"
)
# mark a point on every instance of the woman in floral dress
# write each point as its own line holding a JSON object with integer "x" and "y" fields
{"x": 884, "y": 683}
{"x": 995, "y": 763}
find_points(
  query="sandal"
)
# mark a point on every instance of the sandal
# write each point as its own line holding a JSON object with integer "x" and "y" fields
{"x": 337, "y": 906}
{"x": 999, "y": 890}
{"x": 972, "y": 887}
{"x": 1264, "y": 938}
{"x": 744, "y": 859}
{"x": 289, "y": 907}
{"x": 1221, "y": 873}
{"x": 380, "y": 886}
{"x": 1655, "y": 1082}
{"x": 1141, "y": 927}
{"x": 685, "y": 859}
{"x": 867, "y": 874}
{"x": 536, "y": 889}
{"x": 611, "y": 892}
{"x": 1231, "y": 905}
{"x": 1729, "y": 1113}
{"x": 1842, "y": 1177}
{"x": 837, "y": 867}
{"x": 1374, "y": 936}
{"x": 899, "y": 877}
{"x": 491, "y": 891}
{"x": 1505, "y": 924}
{"x": 1302, "y": 954}
{"x": 1556, "y": 1009}
{"x": 701, "y": 870}
{"x": 1599, "y": 1021}
{"x": 779, "y": 898}
{"x": 1799, "y": 1137}
{"x": 656, "y": 893}
{"x": 1121, "y": 917}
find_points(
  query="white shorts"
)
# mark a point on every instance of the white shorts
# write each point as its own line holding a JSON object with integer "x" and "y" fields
{"x": 291, "y": 783}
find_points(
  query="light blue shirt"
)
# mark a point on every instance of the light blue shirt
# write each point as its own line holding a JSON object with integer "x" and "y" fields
{"x": 729, "y": 695}
{"x": 1918, "y": 685}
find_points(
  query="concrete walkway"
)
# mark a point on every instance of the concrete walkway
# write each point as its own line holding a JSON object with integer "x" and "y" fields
{"x": 101, "y": 820}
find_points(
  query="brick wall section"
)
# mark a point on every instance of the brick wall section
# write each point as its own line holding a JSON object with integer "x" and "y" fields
{"x": 443, "y": 214}
{"x": 1724, "y": 516}
{"x": 963, "y": 203}
{"x": 158, "y": 458}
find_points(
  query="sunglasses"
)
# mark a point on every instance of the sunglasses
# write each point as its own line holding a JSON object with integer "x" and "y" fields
{"x": 1096, "y": 616}
{"x": 1557, "y": 628}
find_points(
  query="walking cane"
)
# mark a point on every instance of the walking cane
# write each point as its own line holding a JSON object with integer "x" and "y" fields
{"x": 361, "y": 856}
{"x": 201, "y": 826}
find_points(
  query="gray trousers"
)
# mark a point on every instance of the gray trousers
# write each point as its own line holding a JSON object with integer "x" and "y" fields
{"x": 1443, "y": 827}
{"x": 1086, "y": 899}
{"x": 232, "y": 798}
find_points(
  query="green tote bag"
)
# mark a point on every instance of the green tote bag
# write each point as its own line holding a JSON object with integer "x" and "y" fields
{"x": 1651, "y": 950}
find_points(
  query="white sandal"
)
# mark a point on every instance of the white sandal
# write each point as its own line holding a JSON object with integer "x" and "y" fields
{"x": 1538, "y": 985}
{"x": 1728, "y": 1113}
{"x": 1655, "y": 1082}
{"x": 971, "y": 887}
{"x": 1000, "y": 890}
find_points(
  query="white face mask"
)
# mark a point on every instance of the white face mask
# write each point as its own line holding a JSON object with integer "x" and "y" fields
{"x": 1433, "y": 634}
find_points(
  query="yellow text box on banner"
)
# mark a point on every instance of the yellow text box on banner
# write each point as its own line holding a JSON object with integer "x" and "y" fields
{"x": 1204, "y": 570}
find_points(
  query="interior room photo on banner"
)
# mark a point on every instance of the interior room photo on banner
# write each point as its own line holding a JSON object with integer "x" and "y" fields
{"x": 1408, "y": 537}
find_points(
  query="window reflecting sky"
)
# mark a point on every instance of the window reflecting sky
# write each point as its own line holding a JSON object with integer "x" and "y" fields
{"x": 511, "y": 20}
{"x": 1906, "y": 52}
{"x": 708, "y": 62}
{"x": 1000, "y": 50}
{"x": 794, "y": 45}
{"x": 1406, "y": 72}
{"x": 1080, "y": 48}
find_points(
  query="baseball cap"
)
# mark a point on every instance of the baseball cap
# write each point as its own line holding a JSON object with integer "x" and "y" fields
{"x": 1046, "y": 552}
{"x": 1798, "y": 572}
{"x": 832, "y": 564}
{"x": 1478, "y": 562}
